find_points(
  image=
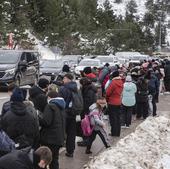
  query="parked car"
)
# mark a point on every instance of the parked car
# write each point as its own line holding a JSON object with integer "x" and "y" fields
{"x": 87, "y": 63}
{"x": 19, "y": 66}
{"x": 50, "y": 68}
{"x": 107, "y": 59}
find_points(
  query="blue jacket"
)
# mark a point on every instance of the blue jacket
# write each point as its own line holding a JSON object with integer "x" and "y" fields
{"x": 128, "y": 95}
{"x": 153, "y": 85}
{"x": 65, "y": 92}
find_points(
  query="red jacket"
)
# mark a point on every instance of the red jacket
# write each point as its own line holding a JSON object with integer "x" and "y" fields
{"x": 114, "y": 92}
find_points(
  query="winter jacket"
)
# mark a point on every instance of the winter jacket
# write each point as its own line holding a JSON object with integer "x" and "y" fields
{"x": 153, "y": 85}
{"x": 89, "y": 96}
{"x": 66, "y": 93}
{"x": 128, "y": 94}
{"x": 114, "y": 91}
{"x": 103, "y": 73}
{"x": 20, "y": 125}
{"x": 96, "y": 119}
{"x": 167, "y": 70}
{"x": 52, "y": 122}
{"x": 6, "y": 107}
{"x": 19, "y": 159}
{"x": 142, "y": 90}
{"x": 34, "y": 92}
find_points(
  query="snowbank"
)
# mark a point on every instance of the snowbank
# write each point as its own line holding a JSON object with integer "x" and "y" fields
{"x": 147, "y": 148}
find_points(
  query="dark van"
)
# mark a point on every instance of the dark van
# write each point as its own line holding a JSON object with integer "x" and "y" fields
{"x": 18, "y": 66}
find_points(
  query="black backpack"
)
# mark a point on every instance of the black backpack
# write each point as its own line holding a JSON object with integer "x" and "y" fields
{"x": 77, "y": 102}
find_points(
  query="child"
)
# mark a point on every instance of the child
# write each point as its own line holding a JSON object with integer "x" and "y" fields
{"x": 97, "y": 123}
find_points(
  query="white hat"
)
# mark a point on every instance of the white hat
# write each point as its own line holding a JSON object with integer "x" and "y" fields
{"x": 128, "y": 78}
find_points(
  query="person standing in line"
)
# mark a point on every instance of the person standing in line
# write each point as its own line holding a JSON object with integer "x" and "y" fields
{"x": 89, "y": 92}
{"x": 142, "y": 98}
{"x": 70, "y": 121}
{"x": 113, "y": 98}
{"x": 128, "y": 101}
{"x": 52, "y": 123}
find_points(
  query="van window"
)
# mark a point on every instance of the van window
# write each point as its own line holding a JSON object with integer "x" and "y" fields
{"x": 29, "y": 57}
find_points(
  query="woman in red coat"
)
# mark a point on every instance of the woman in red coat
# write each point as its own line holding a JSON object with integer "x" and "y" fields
{"x": 113, "y": 97}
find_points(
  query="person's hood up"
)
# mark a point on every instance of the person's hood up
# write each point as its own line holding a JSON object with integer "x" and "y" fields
{"x": 18, "y": 108}
{"x": 93, "y": 107}
{"x": 71, "y": 85}
{"x": 58, "y": 101}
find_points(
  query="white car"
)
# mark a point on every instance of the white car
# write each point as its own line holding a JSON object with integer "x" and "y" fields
{"x": 87, "y": 63}
{"x": 107, "y": 59}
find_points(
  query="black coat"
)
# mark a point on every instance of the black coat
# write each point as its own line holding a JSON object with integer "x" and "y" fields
{"x": 142, "y": 90}
{"x": 52, "y": 123}
{"x": 19, "y": 159}
{"x": 167, "y": 71}
{"x": 20, "y": 125}
{"x": 34, "y": 92}
{"x": 89, "y": 96}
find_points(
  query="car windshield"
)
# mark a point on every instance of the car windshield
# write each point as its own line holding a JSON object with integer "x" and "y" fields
{"x": 51, "y": 64}
{"x": 105, "y": 59}
{"x": 9, "y": 57}
{"x": 89, "y": 63}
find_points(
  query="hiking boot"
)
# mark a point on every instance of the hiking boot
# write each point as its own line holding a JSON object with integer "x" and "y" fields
{"x": 88, "y": 152}
{"x": 82, "y": 144}
{"x": 69, "y": 154}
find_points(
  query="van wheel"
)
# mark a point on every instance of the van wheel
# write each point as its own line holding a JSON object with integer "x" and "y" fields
{"x": 17, "y": 81}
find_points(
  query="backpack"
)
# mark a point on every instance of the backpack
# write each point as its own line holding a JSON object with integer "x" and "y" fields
{"x": 86, "y": 126}
{"x": 77, "y": 102}
{"x": 6, "y": 144}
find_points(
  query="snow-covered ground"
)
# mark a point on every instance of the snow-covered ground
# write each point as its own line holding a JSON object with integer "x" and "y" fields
{"x": 44, "y": 51}
{"x": 147, "y": 148}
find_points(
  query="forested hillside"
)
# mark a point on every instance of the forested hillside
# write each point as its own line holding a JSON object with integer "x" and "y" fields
{"x": 87, "y": 26}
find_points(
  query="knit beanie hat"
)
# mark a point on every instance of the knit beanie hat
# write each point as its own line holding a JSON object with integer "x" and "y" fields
{"x": 43, "y": 83}
{"x": 128, "y": 78}
{"x": 17, "y": 95}
{"x": 115, "y": 73}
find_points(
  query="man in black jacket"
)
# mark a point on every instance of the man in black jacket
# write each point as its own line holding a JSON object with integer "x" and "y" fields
{"x": 27, "y": 159}
{"x": 66, "y": 93}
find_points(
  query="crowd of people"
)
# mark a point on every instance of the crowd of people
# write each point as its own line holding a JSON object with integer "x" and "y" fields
{"x": 43, "y": 121}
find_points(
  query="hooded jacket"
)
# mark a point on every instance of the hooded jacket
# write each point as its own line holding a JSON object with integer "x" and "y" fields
{"x": 96, "y": 119}
{"x": 66, "y": 93}
{"x": 20, "y": 125}
{"x": 52, "y": 122}
{"x": 89, "y": 96}
{"x": 167, "y": 70}
{"x": 128, "y": 94}
{"x": 114, "y": 92}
